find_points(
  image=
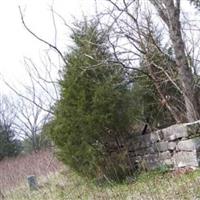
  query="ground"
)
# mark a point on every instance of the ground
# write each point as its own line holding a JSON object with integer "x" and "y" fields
{"x": 62, "y": 184}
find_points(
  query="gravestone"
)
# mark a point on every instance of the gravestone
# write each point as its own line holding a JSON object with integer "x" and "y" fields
{"x": 32, "y": 182}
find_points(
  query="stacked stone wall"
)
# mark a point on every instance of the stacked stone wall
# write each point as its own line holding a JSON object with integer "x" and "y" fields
{"x": 176, "y": 146}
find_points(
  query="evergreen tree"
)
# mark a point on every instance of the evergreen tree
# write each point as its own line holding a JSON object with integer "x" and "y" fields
{"x": 9, "y": 146}
{"x": 92, "y": 113}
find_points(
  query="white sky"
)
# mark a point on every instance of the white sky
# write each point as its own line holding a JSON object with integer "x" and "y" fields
{"x": 16, "y": 42}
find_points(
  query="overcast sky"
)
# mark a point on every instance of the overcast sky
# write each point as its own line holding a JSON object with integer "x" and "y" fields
{"x": 16, "y": 43}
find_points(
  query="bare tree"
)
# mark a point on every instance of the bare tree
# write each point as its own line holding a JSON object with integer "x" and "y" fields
{"x": 29, "y": 121}
{"x": 169, "y": 11}
{"x": 24, "y": 118}
{"x": 7, "y": 112}
{"x": 133, "y": 24}
{"x": 42, "y": 89}
{"x": 134, "y": 39}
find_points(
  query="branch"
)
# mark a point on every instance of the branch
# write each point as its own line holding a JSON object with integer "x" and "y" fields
{"x": 40, "y": 39}
{"x": 26, "y": 98}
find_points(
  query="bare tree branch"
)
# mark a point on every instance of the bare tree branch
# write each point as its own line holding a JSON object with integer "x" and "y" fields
{"x": 40, "y": 39}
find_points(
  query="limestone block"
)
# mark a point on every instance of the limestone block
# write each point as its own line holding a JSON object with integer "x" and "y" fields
{"x": 144, "y": 141}
{"x": 157, "y": 156}
{"x": 142, "y": 148}
{"x": 189, "y": 145}
{"x": 168, "y": 162}
{"x": 152, "y": 161}
{"x": 164, "y": 155}
{"x": 161, "y": 146}
{"x": 155, "y": 137}
{"x": 171, "y": 146}
{"x": 149, "y": 150}
{"x": 174, "y": 132}
{"x": 152, "y": 165}
{"x": 185, "y": 159}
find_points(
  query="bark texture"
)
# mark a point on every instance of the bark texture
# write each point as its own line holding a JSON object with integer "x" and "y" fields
{"x": 169, "y": 11}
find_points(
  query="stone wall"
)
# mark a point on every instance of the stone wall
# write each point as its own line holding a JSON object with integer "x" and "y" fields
{"x": 176, "y": 146}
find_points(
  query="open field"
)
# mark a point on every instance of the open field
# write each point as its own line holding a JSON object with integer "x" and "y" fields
{"x": 13, "y": 172}
{"x": 59, "y": 183}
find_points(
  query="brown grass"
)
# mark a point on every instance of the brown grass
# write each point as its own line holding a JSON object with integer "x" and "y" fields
{"x": 13, "y": 172}
{"x": 57, "y": 182}
{"x": 66, "y": 185}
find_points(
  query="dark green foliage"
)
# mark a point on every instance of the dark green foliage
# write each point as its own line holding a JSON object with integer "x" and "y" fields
{"x": 146, "y": 105}
{"x": 92, "y": 113}
{"x": 9, "y": 146}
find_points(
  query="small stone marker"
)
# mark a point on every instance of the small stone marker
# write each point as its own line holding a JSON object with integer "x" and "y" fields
{"x": 32, "y": 181}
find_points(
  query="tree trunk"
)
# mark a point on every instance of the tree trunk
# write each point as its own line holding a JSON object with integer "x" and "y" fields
{"x": 170, "y": 109}
{"x": 171, "y": 16}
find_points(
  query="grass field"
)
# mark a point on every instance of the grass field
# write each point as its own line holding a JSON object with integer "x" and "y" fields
{"x": 60, "y": 183}
{"x": 13, "y": 172}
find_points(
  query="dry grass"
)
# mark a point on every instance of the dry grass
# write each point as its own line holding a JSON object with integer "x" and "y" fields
{"x": 13, "y": 172}
{"x": 149, "y": 186}
{"x": 64, "y": 184}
